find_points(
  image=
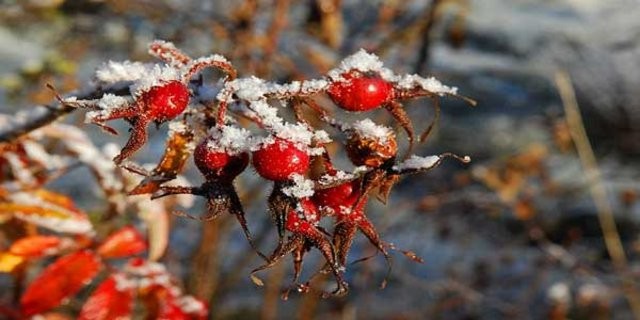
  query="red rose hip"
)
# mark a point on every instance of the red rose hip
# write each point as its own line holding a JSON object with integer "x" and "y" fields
{"x": 219, "y": 164}
{"x": 167, "y": 101}
{"x": 360, "y": 92}
{"x": 279, "y": 160}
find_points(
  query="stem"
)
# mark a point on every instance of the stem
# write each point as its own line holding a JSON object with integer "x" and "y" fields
{"x": 598, "y": 192}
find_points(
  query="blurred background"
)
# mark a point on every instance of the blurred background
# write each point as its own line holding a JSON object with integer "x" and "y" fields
{"x": 516, "y": 234}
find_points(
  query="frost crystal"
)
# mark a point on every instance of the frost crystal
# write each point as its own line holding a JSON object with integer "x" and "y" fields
{"x": 191, "y": 305}
{"x": 111, "y": 101}
{"x": 301, "y": 188}
{"x": 267, "y": 114}
{"x": 230, "y": 139}
{"x": 143, "y": 75}
{"x": 212, "y": 59}
{"x": 328, "y": 179}
{"x": 417, "y": 163}
{"x": 63, "y": 221}
{"x": 430, "y": 84}
{"x": 107, "y": 104}
{"x": 156, "y": 75}
{"x": 361, "y": 61}
{"x": 59, "y": 225}
{"x": 250, "y": 89}
{"x": 369, "y": 129}
{"x": 113, "y": 72}
{"x": 123, "y": 283}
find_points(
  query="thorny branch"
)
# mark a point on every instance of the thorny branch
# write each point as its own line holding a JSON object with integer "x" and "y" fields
{"x": 40, "y": 116}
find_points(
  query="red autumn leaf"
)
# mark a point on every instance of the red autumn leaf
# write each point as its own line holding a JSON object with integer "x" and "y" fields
{"x": 123, "y": 243}
{"x": 111, "y": 300}
{"x": 63, "y": 278}
{"x": 35, "y": 246}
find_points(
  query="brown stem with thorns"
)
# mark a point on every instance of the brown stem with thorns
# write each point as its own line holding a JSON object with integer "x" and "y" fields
{"x": 169, "y": 53}
{"x": 197, "y": 66}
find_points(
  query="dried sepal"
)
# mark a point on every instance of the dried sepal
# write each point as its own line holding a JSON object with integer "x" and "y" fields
{"x": 178, "y": 148}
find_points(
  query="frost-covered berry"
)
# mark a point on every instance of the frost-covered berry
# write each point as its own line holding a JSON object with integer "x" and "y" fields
{"x": 167, "y": 101}
{"x": 277, "y": 161}
{"x": 219, "y": 164}
{"x": 360, "y": 92}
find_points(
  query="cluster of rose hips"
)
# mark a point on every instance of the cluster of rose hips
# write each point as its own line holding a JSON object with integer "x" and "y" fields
{"x": 297, "y": 204}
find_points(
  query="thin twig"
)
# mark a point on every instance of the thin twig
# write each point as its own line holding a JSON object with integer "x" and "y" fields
{"x": 596, "y": 187}
{"x": 44, "y": 115}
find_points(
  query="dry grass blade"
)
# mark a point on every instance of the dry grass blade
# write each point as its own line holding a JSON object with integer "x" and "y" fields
{"x": 598, "y": 192}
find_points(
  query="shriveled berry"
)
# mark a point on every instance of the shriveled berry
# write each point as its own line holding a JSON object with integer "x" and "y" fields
{"x": 371, "y": 152}
{"x": 215, "y": 164}
{"x": 167, "y": 101}
{"x": 360, "y": 92}
{"x": 279, "y": 160}
{"x": 301, "y": 222}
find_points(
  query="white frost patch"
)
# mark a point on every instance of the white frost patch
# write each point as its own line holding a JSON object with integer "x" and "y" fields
{"x": 111, "y": 101}
{"x": 267, "y": 114}
{"x": 306, "y": 87}
{"x": 254, "y": 89}
{"x": 361, "y": 61}
{"x": 112, "y": 72}
{"x": 18, "y": 168}
{"x": 360, "y": 169}
{"x": 298, "y": 133}
{"x": 191, "y": 305}
{"x": 230, "y": 139}
{"x": 255, "y": 92}
{"x": 69, "y": 222}
{"x": 414, "y": 81}
{"x": 417, "y": 163}
{"x": 79, "y": 143}
{"x": 146, "y": 269}
{"x": 328, "y": 179}
{"x": 369, "y": 129}
{"x": 250, "y": 89}
{"x": 321, "y": 136}
{"x": 212, "y": 59}
{"x": 123, "y": 283}
{"x": 301, "y": 188}
{"x": 69, "y": 225}
{"x": 37, "y": 153}
{"x": 156, "y": 75}
{"x": 177, "y": 127}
